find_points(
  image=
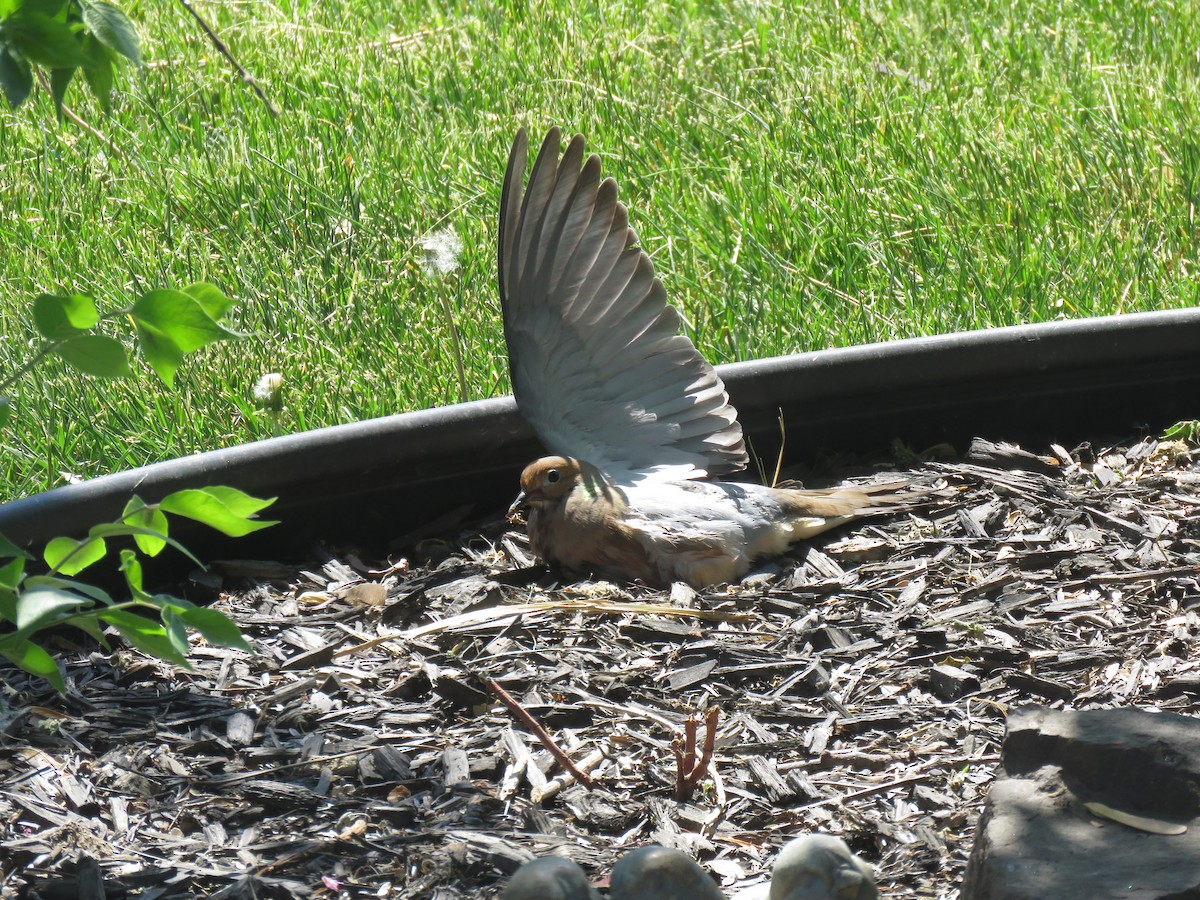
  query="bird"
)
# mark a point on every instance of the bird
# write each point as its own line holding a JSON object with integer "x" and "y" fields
{"x": 637, "y": 423}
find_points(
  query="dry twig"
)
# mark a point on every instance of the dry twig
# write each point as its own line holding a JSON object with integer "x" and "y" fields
{"x": 44, "y": 82}
{"x": 688, "y": 769}
{"x": 539, "y": 732}
{"x": 228, "y": 54}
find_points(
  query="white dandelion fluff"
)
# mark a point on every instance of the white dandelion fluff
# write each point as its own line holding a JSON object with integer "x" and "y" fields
{"x": 441, "y": 248}
{"x": 268, "y": 391}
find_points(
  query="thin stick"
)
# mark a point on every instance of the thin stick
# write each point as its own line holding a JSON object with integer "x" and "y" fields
{"x": 782, "y": 444}
{"x": 864, "y": 792}
{"x": 71, "y": 114}
{"x": 711, "y": 716}
{"x": 225, "y": 51}
{"x": 221, "y": 780}
{"x": 689, "y": 744}
{"x": 539, "y": 732}
{"x": 709, "y": 827}
{"x": 556, "y": 784}
{"x": 689, "y": 769}
{"x": 494, "y": 614}
{"x": 684, "y": 749}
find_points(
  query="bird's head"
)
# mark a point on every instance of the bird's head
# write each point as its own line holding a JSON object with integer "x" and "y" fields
{"x": 546, "y": 481}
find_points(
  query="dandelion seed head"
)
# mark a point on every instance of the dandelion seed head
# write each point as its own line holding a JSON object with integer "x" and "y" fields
{"x": 441, "y": 248}
{"x": 268, "y": 390}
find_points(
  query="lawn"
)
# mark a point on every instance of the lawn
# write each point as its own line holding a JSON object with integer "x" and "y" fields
{"x": 804, "y": 177}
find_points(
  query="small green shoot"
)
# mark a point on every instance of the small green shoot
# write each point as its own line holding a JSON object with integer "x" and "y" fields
{"x": 32, "y": 604}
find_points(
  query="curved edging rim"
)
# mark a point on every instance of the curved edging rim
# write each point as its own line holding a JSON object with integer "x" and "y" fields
{"x": 1109, "y": 373}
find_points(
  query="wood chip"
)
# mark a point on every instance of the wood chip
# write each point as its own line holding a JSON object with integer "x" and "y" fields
{"x": 863, "y": 681}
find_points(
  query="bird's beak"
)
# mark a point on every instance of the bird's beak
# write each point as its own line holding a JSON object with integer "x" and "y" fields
{"x": 518, "y": 507}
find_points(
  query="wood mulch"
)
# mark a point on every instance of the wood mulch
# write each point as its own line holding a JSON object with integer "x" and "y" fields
{"x": 862, "y": 687}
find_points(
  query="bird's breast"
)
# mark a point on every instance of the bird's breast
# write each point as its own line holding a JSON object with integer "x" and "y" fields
{"x": 587, "y": 531}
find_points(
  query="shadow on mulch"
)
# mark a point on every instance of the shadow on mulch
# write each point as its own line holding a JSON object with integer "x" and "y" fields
{"x": 862, "y": 684}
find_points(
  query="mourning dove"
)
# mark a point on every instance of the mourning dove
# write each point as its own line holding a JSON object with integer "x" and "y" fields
{"x": 637, "y": 419}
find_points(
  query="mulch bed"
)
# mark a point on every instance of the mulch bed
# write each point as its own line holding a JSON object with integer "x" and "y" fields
{"x": 862, "y": 687}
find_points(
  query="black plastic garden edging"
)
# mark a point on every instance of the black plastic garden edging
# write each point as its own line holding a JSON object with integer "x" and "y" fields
{"x": 367, "y": 483}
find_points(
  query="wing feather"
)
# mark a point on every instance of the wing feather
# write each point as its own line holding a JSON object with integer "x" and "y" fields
{"x": 599, "y": 367}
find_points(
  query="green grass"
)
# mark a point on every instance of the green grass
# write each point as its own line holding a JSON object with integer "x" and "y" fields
{"x": 804, "y": 176}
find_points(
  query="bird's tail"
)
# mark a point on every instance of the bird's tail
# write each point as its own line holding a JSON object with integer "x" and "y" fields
{"x": 854, "y": 501}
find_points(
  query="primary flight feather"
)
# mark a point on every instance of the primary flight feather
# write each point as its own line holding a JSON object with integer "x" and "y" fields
{"x": 635, "y": 418}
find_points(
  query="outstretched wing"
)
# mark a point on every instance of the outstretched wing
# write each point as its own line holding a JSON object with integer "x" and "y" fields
{"x": 598, "y": 365}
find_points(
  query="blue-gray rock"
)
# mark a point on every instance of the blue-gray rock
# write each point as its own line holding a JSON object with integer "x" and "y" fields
{"x": 820, "y": 867}
{"x": 549, "y": 878}
{"x": 815, "y": 867}
{"x": 1038, "y": 836}
{"x": 659, "y": 873}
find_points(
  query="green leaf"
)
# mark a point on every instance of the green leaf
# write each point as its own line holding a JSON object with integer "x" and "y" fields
{"x": 162, "y": 601}
{"x": 132, "y": 567}
{"x": 175, "y": 629}
{"x": 180, "y": 318}
{"x": 226, "y": 509}
{"x": 238, "y": 502}
{"x": 216, "y": 628}
{"x": 171, "y": 324}
{"x": 79, "y": 587}
{"x": 99, "y": 74}
{"x": 8, "y": 548}
{"x": 114, "y": 529}
{"x": 55, "y": 9}
{"x": 95, "y": 354}
{"x": 41, "y": 607}
{"x": 147, "y": 636}
{"x": 1187, "y": 431}
{"x": 137, "y": 513}
{"x": 16, "y": 77}
{"x": 89, "y": 624}
{"x": 59, "y": 317}
{"x": 69, "y": 556}
{"x": 113, "y": 29}
{"x": 209, "y": 296}
{"x": 6, "y": 410}
{"x": 12, "y": 573}
{"x": 160, "y": 352}
{"x": 60, "y": 80}
{"x": 8, "y": 605}
{"x": 24, "y": 653}
{"x": 44, "y": 40}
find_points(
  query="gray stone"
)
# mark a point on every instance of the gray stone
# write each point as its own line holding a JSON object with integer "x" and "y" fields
{"x": 660, "y": 873}
{"x": 816, "y": 867}
{"x": 549, "y": 878}
{"x": 1037, "y": 839}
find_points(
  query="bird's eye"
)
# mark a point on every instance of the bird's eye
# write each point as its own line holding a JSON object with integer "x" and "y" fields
{"x": 552, "y": 476}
